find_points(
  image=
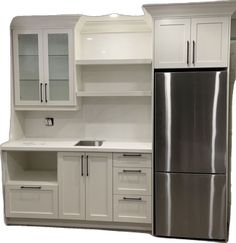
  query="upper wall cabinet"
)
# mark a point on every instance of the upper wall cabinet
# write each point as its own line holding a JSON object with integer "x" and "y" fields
{"x": 172, "y": 40}
{"x": 44, "y": 67}
{"x": 210, "y": 41}
{"x": 191, "y": 42}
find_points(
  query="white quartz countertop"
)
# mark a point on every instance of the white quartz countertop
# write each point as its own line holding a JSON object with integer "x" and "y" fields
{"x": 32, "y": 144}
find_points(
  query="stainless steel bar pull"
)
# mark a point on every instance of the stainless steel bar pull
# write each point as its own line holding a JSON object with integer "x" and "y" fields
{"x": 31, "y": 187}
{"x": 46, "y": 97}
{"x": 41, "y": 92}
{"x": 82, "y": 165}
{"x": 132, "y": 198}
{"x": 87, "y": 165}
{"x": 187, "y": 52}
{"x": 132, "y": 171}
{"x": 132, "y": 155}
{"x": 194, "y": 47}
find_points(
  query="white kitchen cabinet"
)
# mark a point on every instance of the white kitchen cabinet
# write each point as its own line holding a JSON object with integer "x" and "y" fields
{"x": 191, "y": 42}
{"x": 31, "y": 201}
{"x": 210, "y": 41}
{"x": 85, "y": 186}
{"x": 132, "y": 180}
{"x": 172, "y": 40}
{"x": 132, "y": 189}
{"x": 99, "y": 186}
{"x": 72, "y": 186}
{"x": 130, "y": 208}
{"x": 44, "y": 67}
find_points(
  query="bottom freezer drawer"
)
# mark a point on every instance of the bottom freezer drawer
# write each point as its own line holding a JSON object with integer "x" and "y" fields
{"x": 190, "y": 205}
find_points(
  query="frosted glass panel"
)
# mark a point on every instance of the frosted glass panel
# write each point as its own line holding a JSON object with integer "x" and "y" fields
{"x": 28, "y": 66}
{"x": 58, "y": 61}
{"x": 58, "y": 44}
{"x": 59, "y": 90}
{"x": 29, "y": 90}
{"x": 28, "y": 44}
{"x": 58, "y": 67}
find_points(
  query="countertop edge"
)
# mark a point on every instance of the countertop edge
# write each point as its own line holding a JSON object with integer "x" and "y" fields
{"x": 63, "y": 149}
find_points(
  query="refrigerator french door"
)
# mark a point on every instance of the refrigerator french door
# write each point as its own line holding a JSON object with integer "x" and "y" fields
{"x": 190, "y": 122}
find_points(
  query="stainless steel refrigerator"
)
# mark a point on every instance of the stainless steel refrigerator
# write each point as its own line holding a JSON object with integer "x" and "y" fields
{"x": 190, "y": 153}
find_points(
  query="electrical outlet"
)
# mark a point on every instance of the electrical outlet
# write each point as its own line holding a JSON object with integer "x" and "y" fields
{"x": 49, "y": 121}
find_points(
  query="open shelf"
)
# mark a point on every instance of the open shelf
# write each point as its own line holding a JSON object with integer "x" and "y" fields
{"x": 113, "y": 61}
{"x": 29, "y": 168}
{"x": 29, "y": 176}
{"x": 113, "y": 93}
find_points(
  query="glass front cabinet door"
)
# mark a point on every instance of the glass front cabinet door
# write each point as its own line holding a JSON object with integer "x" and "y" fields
{"x": 44, "y": 67}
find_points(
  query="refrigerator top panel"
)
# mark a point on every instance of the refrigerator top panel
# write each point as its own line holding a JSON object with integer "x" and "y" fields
{"x": 190, "y": 110}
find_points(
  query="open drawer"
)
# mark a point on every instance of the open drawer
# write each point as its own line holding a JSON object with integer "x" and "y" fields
{"x": 31, "y": 201}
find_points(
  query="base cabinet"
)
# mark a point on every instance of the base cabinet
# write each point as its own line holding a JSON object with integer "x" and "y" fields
{"x": 30, "y": 201}
{"x": 85, "y": 182}
{"x": 78, "y": 186}
{"x": 132, "y": 187}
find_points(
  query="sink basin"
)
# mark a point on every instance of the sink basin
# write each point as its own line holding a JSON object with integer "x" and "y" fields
{"x": 94, "y": 143}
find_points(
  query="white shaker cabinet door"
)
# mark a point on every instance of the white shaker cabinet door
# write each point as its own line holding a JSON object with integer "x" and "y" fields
{"x": 172, "y": 43}
{"x": 71, "y": 185}
{"x": 99, "y": 186}
{"x": 210, "y": 37}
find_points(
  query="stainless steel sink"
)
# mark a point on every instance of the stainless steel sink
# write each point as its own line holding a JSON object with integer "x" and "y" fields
{"x": 94, "y": 143}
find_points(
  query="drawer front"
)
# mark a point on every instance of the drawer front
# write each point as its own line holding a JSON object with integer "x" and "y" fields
{"x": 132, "y": 160}
{"x": 135, "y": 181}
{"x": 130, "y": 208}
{"x": 31, "y": 201}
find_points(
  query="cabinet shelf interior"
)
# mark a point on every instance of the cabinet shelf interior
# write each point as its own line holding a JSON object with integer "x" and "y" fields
{"x": 32, "y": 166}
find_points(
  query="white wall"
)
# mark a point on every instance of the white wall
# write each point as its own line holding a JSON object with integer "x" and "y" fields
{"x": 109, "y": 118}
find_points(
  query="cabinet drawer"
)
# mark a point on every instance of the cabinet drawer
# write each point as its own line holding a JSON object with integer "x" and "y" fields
{"x": 31, "y": 201}
{"x": 130, "y": 208}
{"x": 131, "y": 160}
{"x": 132, "y": 181}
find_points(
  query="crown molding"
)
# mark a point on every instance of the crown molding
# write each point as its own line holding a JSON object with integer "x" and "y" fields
{"x": 190, "y": 9}
{"x": 52, "y": 21}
